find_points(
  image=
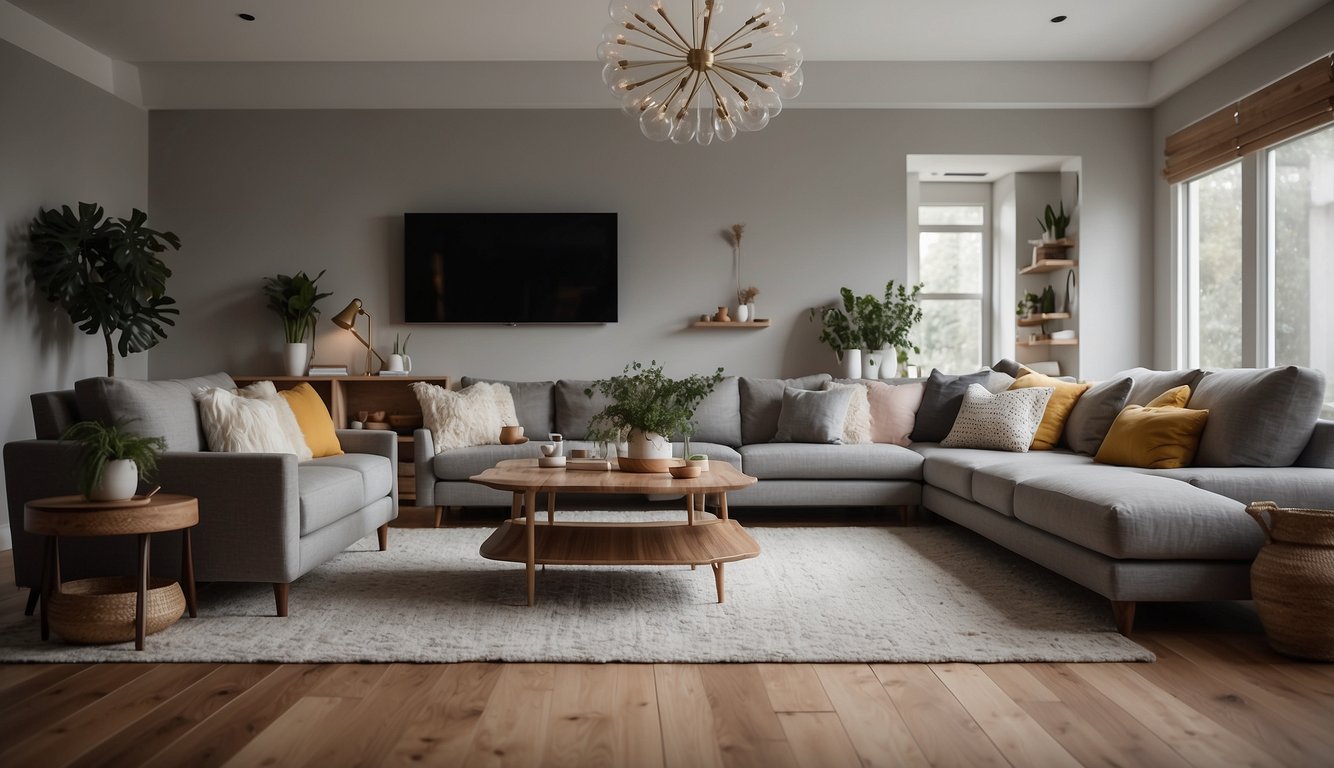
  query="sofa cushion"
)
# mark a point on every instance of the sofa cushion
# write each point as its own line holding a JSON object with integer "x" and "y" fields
{"x": 1063, "y": 398}
{"x": 762, "y": 402}
{"x": 376, "y": 472}
{"x": 236, "y": 424}
{"x": 1319, "y": 450}
{"x": 1257, "y": 418}
{"x": 327, "y": 494}
{"x": 463, "y": 463}
{"x": 312, "y": 416}
{"x": 941, "y": 401}
{"x": 1155, "y": 437}
{"x": 163, "y": 408}
{"x": 1093, "y": 415}
{"x": 574, "y": 409}
{"x": 809, "y": 461}
{"x": 1301, "y": 487}
{"x": 534, "y": 404}
{"x": 994, "y": 483}
{"x": 718, "y": 417}
{"x": 1005, "y": 421}
{"x": 1150, "y": 384}
{"x": 813, "y": 416}
{"x": 951, "y": 469}
{"x": 458, "y": 419}
{"x": 1132, "y": 515}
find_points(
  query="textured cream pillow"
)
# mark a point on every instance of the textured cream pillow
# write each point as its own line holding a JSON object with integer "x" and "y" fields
{"x": 857, "y": 425}
{"x": 264, "y": 390}
{"x": 504, "y": 402}
{"x": 1005, "y": 421}
{"x": 459, "y": 419}
{"x": 235, "y": 424}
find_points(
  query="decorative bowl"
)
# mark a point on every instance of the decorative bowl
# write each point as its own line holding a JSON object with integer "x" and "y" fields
{"x": 684, "y": 473}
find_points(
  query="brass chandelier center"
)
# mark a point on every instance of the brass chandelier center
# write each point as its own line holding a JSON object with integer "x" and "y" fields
{"x": 700, "y": 59}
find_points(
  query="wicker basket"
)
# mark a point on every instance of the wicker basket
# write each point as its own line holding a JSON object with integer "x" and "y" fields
{"x": 1292, "y": 579}
{"x": 102, "y": 610}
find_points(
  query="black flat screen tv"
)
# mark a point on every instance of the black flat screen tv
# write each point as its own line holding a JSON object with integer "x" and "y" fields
{"x": 509, "y": 268}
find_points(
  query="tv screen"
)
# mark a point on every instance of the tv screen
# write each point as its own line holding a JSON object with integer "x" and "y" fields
{"x": 509, "y": 267}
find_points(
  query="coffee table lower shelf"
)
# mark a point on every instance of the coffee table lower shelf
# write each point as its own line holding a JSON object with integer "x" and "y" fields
{"x": 712, "y": 542}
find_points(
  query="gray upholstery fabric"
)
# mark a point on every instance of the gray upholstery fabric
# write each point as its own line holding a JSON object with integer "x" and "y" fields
{"x": 994, "y": 484}
{"x": 820, "y": 493}
{"x": 1257, "y": 418}
{"x": 1319, "y": 451}
{"x": 1133, "y": 515}
{"x": 327, "y": 494}
{"x": 1150, "y": 384}
{"x": 574, "y": 409}
{"x": 377, "y": 473}
{"x": 1302, "y": 487}
{"x": 762, "y": 402}
{"x": 813, "y": 417}
{"x": 150, "y": 408}
{"x": 53, "y": 413}
{"x": 463, "y": 463}
{"x": 718, "y": 417}
{"x": 872, "y": 461}
{"x": 534, "y": 404}
{"x": 715, "y": 451}
{"x": 952, "y": 468}
{"x": 322, "y": 544}
{"x": 941, "y": 402}
{"x": 377, "y": 442}
{"x": 1094, "y": 412}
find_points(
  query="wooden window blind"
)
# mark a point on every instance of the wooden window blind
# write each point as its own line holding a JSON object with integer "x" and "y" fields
{"x": 1296, "y": 104}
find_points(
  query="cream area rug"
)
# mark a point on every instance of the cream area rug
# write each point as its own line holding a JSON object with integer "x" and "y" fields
{"x": 921, "y": 594}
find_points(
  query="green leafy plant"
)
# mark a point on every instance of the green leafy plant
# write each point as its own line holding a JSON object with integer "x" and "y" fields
{"x": 837, "y": 326}
{"x": 643, "y": 398}
{"x": 105, "y": 273}
{"x": 1055, "y": 223}
{"x": 100, "y": 443}
{"x": 401, "y": 348}
{"x": 1033, "y": 303}
{"x": 293, "y": 298}
{"x": 872, "y": 322}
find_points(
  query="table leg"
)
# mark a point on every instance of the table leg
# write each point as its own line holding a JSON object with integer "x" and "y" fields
{"x": 141, "y": 603}
{"x": 722, "y": 505}
{"x": 49, "y": 580}
{"x": 530, "y": 504}
{"x": 551, "y": 507}
{"x": 33, "y": 594}
{"x": 690, "y": 509}
{"x": 188, "y": 574}
{"x": 718, "y": 579}
{"x": 516, "y": 505}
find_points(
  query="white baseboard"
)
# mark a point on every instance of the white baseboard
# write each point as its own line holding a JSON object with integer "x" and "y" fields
{"x": 5, "y": 541}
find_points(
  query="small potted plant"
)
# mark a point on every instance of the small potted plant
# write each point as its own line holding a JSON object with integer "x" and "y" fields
{"x": 650, "y": 408}
{"x": 293, "y": 298}
{"x": 1054, "y": 224}
{"x": 112, "y": 460}
{"x": 840, "y": 332}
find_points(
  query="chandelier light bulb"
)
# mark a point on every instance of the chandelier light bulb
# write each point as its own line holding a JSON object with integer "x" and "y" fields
{"x": 688, "y": 77}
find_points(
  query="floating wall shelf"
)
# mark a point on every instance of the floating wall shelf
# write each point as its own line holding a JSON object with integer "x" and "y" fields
{"x": 760, "y": 323}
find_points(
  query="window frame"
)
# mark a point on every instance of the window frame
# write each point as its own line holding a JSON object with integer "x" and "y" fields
{"x": 968, "y": 195}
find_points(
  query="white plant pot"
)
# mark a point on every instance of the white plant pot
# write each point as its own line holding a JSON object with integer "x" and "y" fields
{"x": 871, "y": 360}
{"x": 889, "y": 363}
{"x": 852, "y": 363}
{"x": 742, "y": 313}
{"x": 120, "y": 479}
{"x": 647, "y": 445}
{"x": 296, "y": 359}
{"x": 750, "y": 306}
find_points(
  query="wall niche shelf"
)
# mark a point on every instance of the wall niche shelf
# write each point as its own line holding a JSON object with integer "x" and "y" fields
{"x": 1049, "y": 343}
{"x": 749, "y": 324}
{"x": 1032, "y": 320}
{"x": 1048, "y": 265}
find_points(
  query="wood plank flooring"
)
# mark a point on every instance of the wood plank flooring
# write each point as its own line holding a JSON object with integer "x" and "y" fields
{"x": 1217, "y": 696}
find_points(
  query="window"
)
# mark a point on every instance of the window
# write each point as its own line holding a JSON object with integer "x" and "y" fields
{"x": 1213, "y": 242}
{"x": 953, "y": 258}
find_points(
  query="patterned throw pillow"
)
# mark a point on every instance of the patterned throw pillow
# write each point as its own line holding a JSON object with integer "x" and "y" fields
{"x": 1005, "y": 421}
{"x": 857, "y": 425}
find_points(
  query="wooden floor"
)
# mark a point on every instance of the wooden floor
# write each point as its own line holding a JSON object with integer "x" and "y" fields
{"x": 1217, "y": 696}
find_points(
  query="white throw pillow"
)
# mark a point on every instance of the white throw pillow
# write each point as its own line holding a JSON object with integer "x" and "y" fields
{"x": 264, "y": 390}
{"x": 1005, "y": 421}
{"x": 459, "y": 419}
{"x": 235, "y": 424}
{"x": 857, "y": 425}
{"x": 504, "y": 403}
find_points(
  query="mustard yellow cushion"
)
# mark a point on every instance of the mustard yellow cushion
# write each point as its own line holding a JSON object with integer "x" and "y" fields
{"x": 1176, "y": 397}
{"x": 1063, "y": 398}
{"x": 1153, "y": 437}
{"x": 313, "y": 417}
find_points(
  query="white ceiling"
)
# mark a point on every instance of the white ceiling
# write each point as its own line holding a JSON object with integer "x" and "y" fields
{"x": 197, "y": 54}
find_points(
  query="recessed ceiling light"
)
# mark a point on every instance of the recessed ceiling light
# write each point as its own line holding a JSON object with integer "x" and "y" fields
{"x": 1057, "y": 19}
{"x": 251, "y": 16}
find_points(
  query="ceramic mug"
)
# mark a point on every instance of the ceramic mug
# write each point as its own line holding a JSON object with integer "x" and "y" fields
{"x": 510, "y": 435}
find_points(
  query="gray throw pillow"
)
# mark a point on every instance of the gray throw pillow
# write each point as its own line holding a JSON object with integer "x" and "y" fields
{"x": 762, "y": 401}
{"x": 1150, "y": 384}
{"x": 813, "y": 417}
{"x": 718, "y": 417}
{"x": 1257, "y": 418}
{"x": 574, "y": 409}
{"x": 534, "y": 404}
{"x": 1006, "y": 365}
{"x": 941, "y": 402}
{"x": 1093, "y": 414}
{"x": 164, "y": 408}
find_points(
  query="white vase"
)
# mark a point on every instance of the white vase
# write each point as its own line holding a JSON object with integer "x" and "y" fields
{"x": 742, "y": 313}
{"x": 296, "y": 359}
{"x": 647, "y": 445}
{"x": 120, "y": 479}
{"x": 852, "y": 363}
{"x": 871, "y": 359}
{"x": 750, "y": 305}
{"x": 889, "y": 363}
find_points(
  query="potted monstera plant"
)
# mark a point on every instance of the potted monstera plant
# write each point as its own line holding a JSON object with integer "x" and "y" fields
{"x": 650, "y": 408}
{"x": 106, "y": 274}
{"x": 293, "y": 298}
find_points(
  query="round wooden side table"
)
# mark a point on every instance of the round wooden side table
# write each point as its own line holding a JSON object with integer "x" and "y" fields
{"x": 76, "y": 516}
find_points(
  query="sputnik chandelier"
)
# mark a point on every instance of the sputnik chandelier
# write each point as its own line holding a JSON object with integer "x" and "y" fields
{"x": 693, "y": 82}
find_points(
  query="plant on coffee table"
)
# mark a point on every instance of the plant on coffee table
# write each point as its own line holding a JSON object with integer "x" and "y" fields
{"x": 649, "y": 404}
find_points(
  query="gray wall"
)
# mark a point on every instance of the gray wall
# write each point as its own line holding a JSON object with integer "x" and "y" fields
{"x": 1277, "y": 57}
{"x": 62, "y": 140}
{"x": 822, "y": 193}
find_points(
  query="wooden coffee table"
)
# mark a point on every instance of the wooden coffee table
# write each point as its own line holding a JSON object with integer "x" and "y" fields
{"x": 694, "y": 540}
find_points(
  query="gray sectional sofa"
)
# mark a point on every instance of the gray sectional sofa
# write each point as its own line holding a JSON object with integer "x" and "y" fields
{"x": 1128, "y": 534}
{"x": 262, "y": 517}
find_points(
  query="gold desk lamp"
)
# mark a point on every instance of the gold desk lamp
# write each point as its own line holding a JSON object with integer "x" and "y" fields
{"x": 347, "y": 320}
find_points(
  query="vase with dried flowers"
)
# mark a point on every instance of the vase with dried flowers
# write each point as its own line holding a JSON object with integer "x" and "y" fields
{"x": 746, "y": 298}
{"x": 733, "y": 236}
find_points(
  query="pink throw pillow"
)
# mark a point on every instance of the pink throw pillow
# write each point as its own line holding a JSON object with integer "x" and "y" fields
{"x": 893, "y": 409}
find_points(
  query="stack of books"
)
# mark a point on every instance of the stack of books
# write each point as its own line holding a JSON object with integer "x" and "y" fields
{"x": 327, "y": 369}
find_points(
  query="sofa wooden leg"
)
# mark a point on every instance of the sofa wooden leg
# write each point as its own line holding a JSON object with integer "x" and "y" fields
{"x": 439, "y": 515}
{"x": 383, "y": 533}
{"x": 33, "y": 594}
{"x": 1125, "y": 615}
{"x": 280, "y": 592}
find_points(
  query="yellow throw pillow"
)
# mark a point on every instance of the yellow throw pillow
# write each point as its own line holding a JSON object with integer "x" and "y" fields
{"x": 1153, "y": 437}
{"x": 1176, "y": 397}
{"x": 1063, "y": 398}
{"x": 313, "y": 416}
